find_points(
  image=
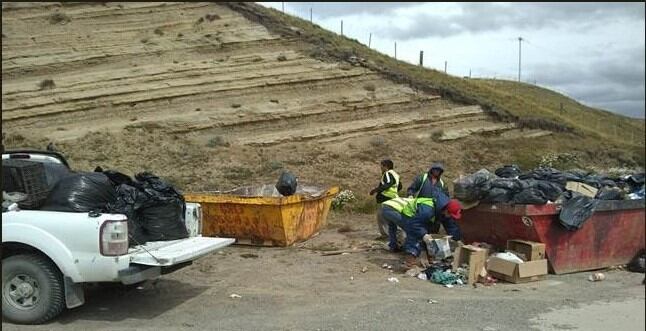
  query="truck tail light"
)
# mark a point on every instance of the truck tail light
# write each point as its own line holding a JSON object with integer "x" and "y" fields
{"x": 114, "y": 238}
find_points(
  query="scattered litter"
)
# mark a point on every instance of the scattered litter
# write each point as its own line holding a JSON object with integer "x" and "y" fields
{"x": 449, "y": 285}
{"x": 385, "y": 265}
{"x": 364, "y": 269}
{"x": 351, "y": 277}
{"x": 422, "y": 276}
{"x": 413, "y": 272}
{"x": 411, "y": 300}
{"x": 345, "y": 253}
{"x": 431, "y": 301}
{"x": 235, "y": 296}
{"x": 393, "y": 280}
{"x": 597, "y": 277}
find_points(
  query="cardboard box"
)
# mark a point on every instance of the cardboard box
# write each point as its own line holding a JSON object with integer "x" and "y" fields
{"x": 437, "y": 245}
{"x": 582, "y": 188}
{"x": 529, "y": 250}
{"x": 475, "y": 257}
{"x": 517, "y": 272}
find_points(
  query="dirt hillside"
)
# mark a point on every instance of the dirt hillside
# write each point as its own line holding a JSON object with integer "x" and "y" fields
{"x": 213, "y": 96}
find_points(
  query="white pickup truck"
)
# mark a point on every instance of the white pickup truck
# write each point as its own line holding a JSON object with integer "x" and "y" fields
{"x": 47, "y": 256}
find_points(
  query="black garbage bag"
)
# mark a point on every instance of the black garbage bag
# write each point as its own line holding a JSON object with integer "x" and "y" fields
{"x": 551, "y": 190}
{"x": 81, "y": 192}
{"x": 508, "y": 171}
{"x": 473, "y": 187}
{"x": 635, "y": 182}
{"x": 287, "y": 183}
{"x": 529, "y": 196}
{"x": 162, "y": 209}
{"x": 513, "y": 185}
{"x": 118, "y": 178}
{"x": 609, "y": 182}
{"x": 548, "y": 174}
{"x": 498, "y": 195}
{"x": 129, "y": 201}
{"x": 576, "y": 209}
{"x": 610, "y": 193}
{"x": 55, "y": 172}
{"x": 162, "y": 219}
{"x": 638, "y": 263}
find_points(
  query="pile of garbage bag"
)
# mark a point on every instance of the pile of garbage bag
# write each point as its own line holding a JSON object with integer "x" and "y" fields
{"x": 545, "y": 185}
{"x": 154, "y": 208}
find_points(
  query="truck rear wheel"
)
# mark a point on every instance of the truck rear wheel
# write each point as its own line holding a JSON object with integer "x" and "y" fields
{"x": 32, "y": 289}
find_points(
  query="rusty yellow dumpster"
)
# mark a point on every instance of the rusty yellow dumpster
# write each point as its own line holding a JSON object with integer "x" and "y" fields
{"x": 259, "y": 215}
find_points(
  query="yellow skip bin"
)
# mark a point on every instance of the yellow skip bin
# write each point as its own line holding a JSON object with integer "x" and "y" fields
{"x": 259, "y": 215}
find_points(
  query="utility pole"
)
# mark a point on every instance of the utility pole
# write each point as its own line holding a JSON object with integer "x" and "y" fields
{"x": 369, "y": 39}
{"x": 520, "y": 40}
{"x": 341, "y": 27}
{"x": 445, "y": 63}
{"x": 469, "y": 73}
{"x": 421, "y": 58}
{"x": 283, "y": 5}
{"x": 395, "y": 50}
{"x": 310, "y": 14}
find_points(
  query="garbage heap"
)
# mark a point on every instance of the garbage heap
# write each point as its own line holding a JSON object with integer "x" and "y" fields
{"x": 578, "y": 191}
{"x": 155, "y": 209}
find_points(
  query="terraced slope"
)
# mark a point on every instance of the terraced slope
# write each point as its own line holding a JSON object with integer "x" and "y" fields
{"x": 198, "y": 69}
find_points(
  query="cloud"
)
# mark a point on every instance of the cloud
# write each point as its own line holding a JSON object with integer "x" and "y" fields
{"x": 337, "y": 9}
{"x": 484, "y": 17}
{"x": 615, "y": 84}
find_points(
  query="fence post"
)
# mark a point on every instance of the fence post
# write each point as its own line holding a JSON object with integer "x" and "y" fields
{"x": 395, "y": 50}
{"x": 369, "y": 39}
{"x": 341, "y": 27}
{"x": 421, "y": 58}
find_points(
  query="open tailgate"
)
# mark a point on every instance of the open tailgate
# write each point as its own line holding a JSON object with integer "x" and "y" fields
{"x": 168, "y": 253}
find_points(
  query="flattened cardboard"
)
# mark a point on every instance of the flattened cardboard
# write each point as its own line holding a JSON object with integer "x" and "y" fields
{"x": 517, "y": 272}
{"x": 531, "y": 250}
{"x": 582, "y": 188}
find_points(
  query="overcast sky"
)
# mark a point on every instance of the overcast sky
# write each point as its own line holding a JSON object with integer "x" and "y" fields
{"x": 593, "y": 52}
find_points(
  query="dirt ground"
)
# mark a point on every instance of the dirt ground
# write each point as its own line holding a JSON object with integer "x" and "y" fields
{"x": 297, "y": 288}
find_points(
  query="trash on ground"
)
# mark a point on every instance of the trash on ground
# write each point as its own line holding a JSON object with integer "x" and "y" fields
{"x": 597, "y": 277}
{"x": 638, "y": 264}
{"x": 472, "y": 256}
{"x": 414, "y": 271}
{"x": 431, "y": 301}
{"x": 235, "y": 296}
{"x": 393, "y": 280}
{"x": 364, "y": 269}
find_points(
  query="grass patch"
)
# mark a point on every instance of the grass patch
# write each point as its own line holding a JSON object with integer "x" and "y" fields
{"x": 237, "y": 173}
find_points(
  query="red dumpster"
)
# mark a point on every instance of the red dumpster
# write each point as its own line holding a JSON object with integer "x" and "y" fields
{"x": 612, "y": 236}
